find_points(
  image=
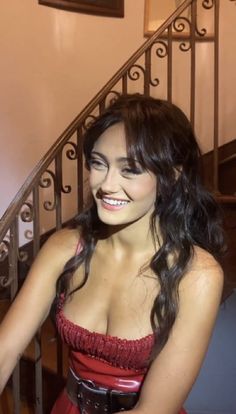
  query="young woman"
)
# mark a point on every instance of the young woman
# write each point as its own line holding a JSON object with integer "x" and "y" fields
{"x": 137, "y": 280}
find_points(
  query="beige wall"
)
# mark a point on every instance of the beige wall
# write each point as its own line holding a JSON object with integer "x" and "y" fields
{"x": 52, "y": 64}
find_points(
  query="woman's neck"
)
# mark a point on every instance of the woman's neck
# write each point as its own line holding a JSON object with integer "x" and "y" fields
{"x": 133, "y": 238}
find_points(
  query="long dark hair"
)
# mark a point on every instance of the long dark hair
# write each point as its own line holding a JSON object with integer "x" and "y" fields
{"x": 160, "y": 137}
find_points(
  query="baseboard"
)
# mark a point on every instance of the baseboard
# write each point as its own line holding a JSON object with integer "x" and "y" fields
{"x": 209, "y": 412}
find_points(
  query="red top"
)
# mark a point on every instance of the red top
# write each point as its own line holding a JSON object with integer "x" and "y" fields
{"x": 123, "y": 353}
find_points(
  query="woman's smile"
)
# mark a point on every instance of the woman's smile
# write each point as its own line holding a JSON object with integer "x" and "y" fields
{"x": 113, "y": 204}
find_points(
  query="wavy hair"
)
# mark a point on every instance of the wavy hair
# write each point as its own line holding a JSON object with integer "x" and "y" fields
{"x": 160, "y": 137}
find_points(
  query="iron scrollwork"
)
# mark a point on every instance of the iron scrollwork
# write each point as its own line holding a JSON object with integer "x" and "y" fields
{"x": 27, "y": 216}
{"x": 88, "y": 122}
{"x": 47, "y": 182}
{"x": 182, "y": 24}
{"x": 162, "y": 49}
{"x": 5, "y": 282}
{"x": 161, "y": 52}
{"x": 201, "y": 32}
{"x": 4, "y": 251}
{"x": 111, "y": 100}
{"x": 71, "y": 154}
{"x": 28, "y": 234}
{"x": 135, "y": 72}
{"x": 208, "y": 4}
{"x": 27, "y": 213}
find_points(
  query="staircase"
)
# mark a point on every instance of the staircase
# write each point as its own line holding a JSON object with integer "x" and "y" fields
{"x": 57, "y": 187}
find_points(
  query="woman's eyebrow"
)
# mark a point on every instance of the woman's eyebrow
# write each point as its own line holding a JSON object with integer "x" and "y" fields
{"x": 99, "y": 154}
{"x": 119, "y": 159}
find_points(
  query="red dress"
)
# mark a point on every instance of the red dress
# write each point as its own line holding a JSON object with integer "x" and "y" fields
{"x": 109, "y": 361}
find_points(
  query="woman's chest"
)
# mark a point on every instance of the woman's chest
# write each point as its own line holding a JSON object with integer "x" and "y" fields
{"x": 116, "y": 299}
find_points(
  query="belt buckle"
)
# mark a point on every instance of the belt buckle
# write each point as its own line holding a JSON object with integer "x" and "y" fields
{"x": 122, "y": 401}
{"x": 88, "y": 395}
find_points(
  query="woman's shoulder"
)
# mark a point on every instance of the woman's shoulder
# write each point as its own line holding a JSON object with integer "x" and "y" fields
{"x": 204, "y": 261}
{"x": 66, "y": 238}
{"x": 59, "y": 247}
{"x": 204, "y": 274}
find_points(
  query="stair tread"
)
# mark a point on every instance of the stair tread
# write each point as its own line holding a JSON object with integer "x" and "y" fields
{"x": 225, "y": 198}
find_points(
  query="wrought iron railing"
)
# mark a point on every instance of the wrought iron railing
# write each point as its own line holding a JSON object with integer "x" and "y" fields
{"x": 46, "y": 200}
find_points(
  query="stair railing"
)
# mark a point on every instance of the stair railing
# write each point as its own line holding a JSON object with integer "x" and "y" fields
{"x": 43, "y": 197}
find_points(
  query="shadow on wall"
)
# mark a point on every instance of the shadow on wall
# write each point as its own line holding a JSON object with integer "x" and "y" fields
{"x": 215, "y": 389}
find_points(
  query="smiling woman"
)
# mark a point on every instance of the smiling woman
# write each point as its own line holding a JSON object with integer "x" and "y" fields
{"x": 128, "y": 279}
{"x": 113, "y": 8}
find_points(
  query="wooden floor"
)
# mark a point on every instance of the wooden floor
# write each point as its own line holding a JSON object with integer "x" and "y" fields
{"x": 49, "y": 362}
{"x": 6, "y": 404}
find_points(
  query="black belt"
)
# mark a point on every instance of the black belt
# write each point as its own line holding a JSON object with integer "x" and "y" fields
{"x": 92, "y": 399}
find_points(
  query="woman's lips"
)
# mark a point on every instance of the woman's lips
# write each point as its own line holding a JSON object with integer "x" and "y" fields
{"x": 113, "y": 204}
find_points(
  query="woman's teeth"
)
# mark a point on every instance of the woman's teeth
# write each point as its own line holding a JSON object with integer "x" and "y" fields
{"x": 114, "y": 202}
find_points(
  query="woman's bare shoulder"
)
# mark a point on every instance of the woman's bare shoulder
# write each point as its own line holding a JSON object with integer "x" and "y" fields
{"x": 58, "y": 249}
{"x": 64, "y": 239}
{"x": 204, "y": 263}
{"x": 203, "y": 257}
{"x": 67, "y": 237}
{"x": 204, "y": 274}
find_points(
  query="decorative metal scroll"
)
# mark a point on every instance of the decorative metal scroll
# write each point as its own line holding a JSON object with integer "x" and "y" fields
{"x": 134, "y": 73}
{"x": 26, "y": 215}
{"x": 161, "y": 51}
{"x": 47, "y": 182}
{"x": 88, "y": 121}
{"x": 72, "y": 155}
{"x": 4, "y": 251}
{"x": 180, "y": 25}
{"x": 208, "y": 4}
{"x": 110, "y": 98}
{"x": 72, "y": 152}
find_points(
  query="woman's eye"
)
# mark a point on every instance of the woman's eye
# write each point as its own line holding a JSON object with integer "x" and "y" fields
{"x": 131, "y": 171}
{"x": 97, "y": 164}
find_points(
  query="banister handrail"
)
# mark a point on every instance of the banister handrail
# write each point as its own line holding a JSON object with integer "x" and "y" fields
{"x": 34, "y": 176}
{"x": 228, "y": 159}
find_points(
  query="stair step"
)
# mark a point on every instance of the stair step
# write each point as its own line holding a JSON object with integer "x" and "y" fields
{"x": 225, "y": 199}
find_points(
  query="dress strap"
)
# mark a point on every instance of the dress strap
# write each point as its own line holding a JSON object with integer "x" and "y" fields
{"x": 79, "y": 247}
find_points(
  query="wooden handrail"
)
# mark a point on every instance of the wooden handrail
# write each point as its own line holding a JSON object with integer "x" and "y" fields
{"x": 226, "y": 199}
{"x": 228, "y": 159}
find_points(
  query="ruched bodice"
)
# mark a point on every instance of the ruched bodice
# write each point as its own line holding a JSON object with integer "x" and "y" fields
{"x": 123, "y": 353}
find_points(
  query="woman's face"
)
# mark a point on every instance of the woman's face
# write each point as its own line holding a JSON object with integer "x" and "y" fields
{"x": 123, "y": 193}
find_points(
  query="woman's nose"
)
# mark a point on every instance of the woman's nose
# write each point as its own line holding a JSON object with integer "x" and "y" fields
{"x": 111, "y": 181}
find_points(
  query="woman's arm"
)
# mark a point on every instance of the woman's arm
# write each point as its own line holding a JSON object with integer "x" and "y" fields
{"x": 32, "y": 304}
{"x": 173, "y": 372}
